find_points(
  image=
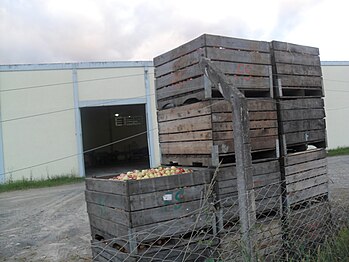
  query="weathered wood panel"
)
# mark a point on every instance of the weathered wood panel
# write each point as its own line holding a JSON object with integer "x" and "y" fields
{"x": 310, "y": 136}
{"x": 306, "y": 103}
{"x": 303, "y": 125}
{"x": 305, "y": 156}
{"x": 293, "y": 48}
{"x": 186, "y": 125}
{"x": 296, "y": 58}
{"x": 300, "y": 70}
{"x": 301, "y": 114}
{"x": 240, "y": 56}
{"x": 301, "y": 81}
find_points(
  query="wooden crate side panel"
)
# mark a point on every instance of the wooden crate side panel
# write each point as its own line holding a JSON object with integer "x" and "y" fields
{"x": 187, "y": 160}
{"x": 236, "y": 43}
{"x": 179, "y": 63}
{"x": 253, "y": 105}
{"x": 184, "y": 87}
{"x": 293, "y": 48}
{"x": 306, "y": 175}
{"x": 305, "y": 156}
{"x": 301, "y": 114}
{"x": 229, "y": 55}
{"x": 180, "y": 51}
{"x": 107, "y": 199}
{"x": 307, "y": 193}
{"x": 114, "y": 215}
{"x": 297, "y": 168}
{"x": 112, "y": 228}
{"x": 186, "y": 125}
{"x": 181, "y": 100}
{"x": 309, "y": 82}
{"x": 300, "y": 70}
{"x": 243, "y": 69}
{"x": 105, "y": 185}
{"x": 303, "y": 125}
{"x": 311, "y": 136}
{"x": 187, "y": 147}
{"x": 225, "y": 135}
{"x": 304, "y": 103}
{"x": 173, "y": 196}
{"x": 254, "y": 116}
{"x": 296, "y": 58}
{"x": 306, "y": 183}
{"x": 187, "y": 136}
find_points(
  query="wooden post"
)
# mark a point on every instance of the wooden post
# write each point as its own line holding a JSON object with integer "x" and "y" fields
{"x": 246, "y": 197}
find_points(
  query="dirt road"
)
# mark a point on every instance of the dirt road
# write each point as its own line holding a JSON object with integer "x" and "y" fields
{"x": 51, "y": 224}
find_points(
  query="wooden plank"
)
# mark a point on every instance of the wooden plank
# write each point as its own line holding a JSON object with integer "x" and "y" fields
{"x": 236, "y": 43}
{"x": 117, "y": 216}
{"x": 296, "y": 58}
{"x": 305, "y": 156}
{"x": 240, "y": 56}
{"x": 178, "y": 76}
{"x": 290, "y": 170}
{"x": 188, "y": 86}
{"x": 107, "y": 199}
{"x": 105, "y": 185}
{"x": 186, "y": 125}
{"x": 178, "y": 195}
{"x": 301, "y": 81}
{"x": 186, "y": 111}
{"x": 306, "y": 103}
{"x": 306, "y": 175}
{"x": 254, "y": 116}
{"x": 165, "y": 213}
{"x": 303, "y": 125}
{"x": 180, "y": 51}
{"x": 293, "y": 48}
{"x": 187, "y": 160}
{"x": 181, "y": 100}
{"x": 307, "y": 193}
{"x": 309, "y": 137}
{"x": 226, "y": 126}
{"x": 301, "y": 70}
{"x": 253, "y": 105}
{"x": 110, "y": 227}
{"x": 306, "y": 183}
{"x": 179, "y": 63}
{"x": 225, "y": 135}
{"x": 257, "y": 83}
{"x": 187, "y": 136}
{"x": 300, "y": 114}
{"x": 231, "y": 68}
{"x": 198, "y": 177}
{"x": 187, "y": 147}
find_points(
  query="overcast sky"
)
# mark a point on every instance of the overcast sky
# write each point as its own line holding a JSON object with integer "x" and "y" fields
{"x": 41, "y": 31}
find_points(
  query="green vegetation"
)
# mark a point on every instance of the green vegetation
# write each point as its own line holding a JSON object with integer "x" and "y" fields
{"x": 339, "y": 151}
{"x": 47, "y": 182}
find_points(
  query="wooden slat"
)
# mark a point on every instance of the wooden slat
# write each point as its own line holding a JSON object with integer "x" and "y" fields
{"x": 115, "y": 215}
{"x": 303, "y": 125}
{"x": 310, "y": 136}
{"x": 307, "y": 183}
{"x": 236, "y": 43}
{"x": 181, "y": 100}
{"x": 238, "y": 56}
{"x": 185, "y": 125}
{"x": 104, "y": 185}
{"x": 254, "y": 116}
{"x": 301, "y": 81}
{"x": 108, "y": 226}
{"x": 107, "y": 199}
{"x": 296, "y": 58}
{"x": 300, "y": 114}
{"x": 225, "y": 135}
{"x": 289, "y": 170}
{"x": 186, "y": 111}
{"x": 242, "y": 69}
{"x": 301, "y": 70}
{"x": 307, "y": 193}
{"x": 306, "y": 156}
{"x": 180, "y": 51}
{"x": 190, "y": 147}
{"x": 187, "y": 160}
{"x": 306, "y": 103}
{"x": 306, "y": 174}
{"x": 187, "y": 136}
{"x": 293, "y": 48}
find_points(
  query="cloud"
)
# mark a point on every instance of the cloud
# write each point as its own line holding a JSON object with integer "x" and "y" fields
{"x": 38, "y": 31}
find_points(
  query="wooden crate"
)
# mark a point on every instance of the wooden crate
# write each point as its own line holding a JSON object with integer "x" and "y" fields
{"x": 179, "y": 77}
{"x": 266, "y": 182}
{"x": 306, "y": 178}
{"x": 302, "y": 123}
{"x": 143, "y": 213}
{"x": 201, "y": 133}
{"x": 298, "y": 69}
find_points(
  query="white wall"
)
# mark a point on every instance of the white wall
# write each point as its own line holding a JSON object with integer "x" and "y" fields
{"x": 336, "y": 86}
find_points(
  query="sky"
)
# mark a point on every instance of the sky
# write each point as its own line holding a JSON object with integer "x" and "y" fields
{"x": 52, "y": 31}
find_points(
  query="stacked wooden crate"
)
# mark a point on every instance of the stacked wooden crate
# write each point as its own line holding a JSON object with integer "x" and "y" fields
{"x": 302, "y": 133}
{"x": 151, "y": 219}
{"x": 195, "y": 123}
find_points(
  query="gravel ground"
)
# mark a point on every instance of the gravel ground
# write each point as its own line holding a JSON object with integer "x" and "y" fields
{"x": 51, "y": 224}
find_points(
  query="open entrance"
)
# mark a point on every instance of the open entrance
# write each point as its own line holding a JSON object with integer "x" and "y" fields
{"x": 123, "y": 129}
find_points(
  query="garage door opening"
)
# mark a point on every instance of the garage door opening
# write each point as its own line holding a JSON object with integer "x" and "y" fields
{"x": 108, "y": 124}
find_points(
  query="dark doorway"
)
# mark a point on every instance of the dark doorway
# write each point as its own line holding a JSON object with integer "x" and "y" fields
{"x": 112, "y": 126}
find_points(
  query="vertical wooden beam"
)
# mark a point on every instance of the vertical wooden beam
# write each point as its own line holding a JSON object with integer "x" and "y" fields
{"x": 246, "y": 197}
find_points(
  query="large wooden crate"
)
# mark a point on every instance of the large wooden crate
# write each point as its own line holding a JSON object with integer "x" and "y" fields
{"x": 143, "y": 216}
{"x": 180, "y": 79}
{"x": 296, "y": 70}
{"x": 306, "y": 178}
{"x": 202, "y": 133}
{"x": 302, "y": 122}
{"x": 267, "y": 189}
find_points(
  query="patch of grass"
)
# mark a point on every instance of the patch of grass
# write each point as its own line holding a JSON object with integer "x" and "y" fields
{"x": 339, "y": 151}
{"x": 48, "y": 182}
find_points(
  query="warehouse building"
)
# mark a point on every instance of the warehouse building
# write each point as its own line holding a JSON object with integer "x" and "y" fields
{"x": 100, "y": 117}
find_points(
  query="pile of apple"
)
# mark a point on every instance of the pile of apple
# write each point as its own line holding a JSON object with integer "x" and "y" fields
{"x": 151, "y": 173}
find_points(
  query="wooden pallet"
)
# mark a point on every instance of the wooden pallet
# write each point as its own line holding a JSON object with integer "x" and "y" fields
{"x": 143, "y": 212}
{"x": 266, "y": 182}
{"x": 302, "y": 123}
{"x": 179, "y": 78}
{"x": 297, "y": 70}
{"x": 201, "y": 133}
{"x": 306, "y": 178}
